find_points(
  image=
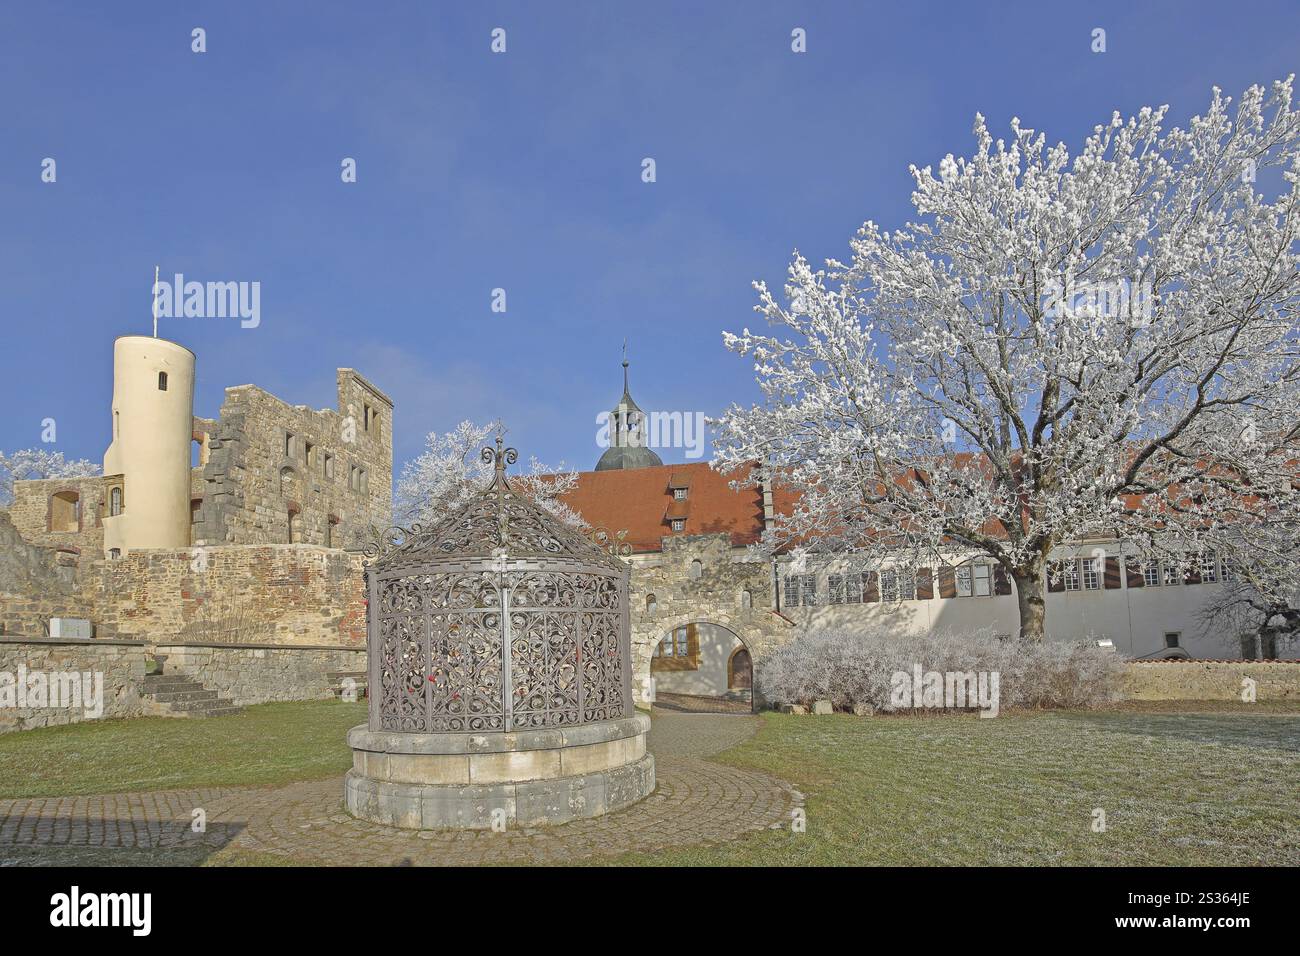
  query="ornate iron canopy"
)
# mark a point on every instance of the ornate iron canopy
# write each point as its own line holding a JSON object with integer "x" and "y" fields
{"x": 499, "y": 617}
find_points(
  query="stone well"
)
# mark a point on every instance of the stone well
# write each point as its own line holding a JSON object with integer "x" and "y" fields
{"x": 500, "y": 673}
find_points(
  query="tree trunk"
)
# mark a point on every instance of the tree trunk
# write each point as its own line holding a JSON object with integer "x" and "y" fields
{"x": 1031, "y": 597}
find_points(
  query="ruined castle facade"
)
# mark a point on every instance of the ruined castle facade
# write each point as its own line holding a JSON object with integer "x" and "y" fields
{"x": 266, "y": 473}
{"x": 274, "y": 473}
{"x": 244, "y": 528}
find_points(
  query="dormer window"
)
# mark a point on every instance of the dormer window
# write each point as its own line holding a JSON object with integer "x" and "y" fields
{"x": 679, "y": 524}
{"x": 679, "y": 494}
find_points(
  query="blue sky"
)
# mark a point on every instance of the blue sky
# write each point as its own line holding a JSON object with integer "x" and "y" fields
{"x": 519, "y": 171}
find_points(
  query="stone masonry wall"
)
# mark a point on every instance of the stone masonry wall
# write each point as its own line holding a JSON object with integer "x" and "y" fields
{"x": 259, "y": 675}
{"x": 716, "y": 596}
{"x": 36, "y": 584}
{"x": 1210, "y": 680}
{"x": 267, "y": 460}
{"x": 30, "y": 511}
{"x": 275, "y": 594}
{"x": 122, "y": 665}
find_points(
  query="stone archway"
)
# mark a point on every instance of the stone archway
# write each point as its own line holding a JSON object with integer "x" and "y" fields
{"x": 693, "y": 670}
{"x": 726, "y": 590}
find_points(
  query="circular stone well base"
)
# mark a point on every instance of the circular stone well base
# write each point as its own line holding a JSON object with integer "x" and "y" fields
{"x": 495, "y": 780}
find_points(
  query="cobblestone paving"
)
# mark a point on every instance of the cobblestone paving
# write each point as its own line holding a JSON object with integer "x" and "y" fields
{"x": 694, "y": 704}
{"x": 697, "y": 801}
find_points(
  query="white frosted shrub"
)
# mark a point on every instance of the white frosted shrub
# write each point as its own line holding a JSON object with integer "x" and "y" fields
{"x": 857, "y": 667}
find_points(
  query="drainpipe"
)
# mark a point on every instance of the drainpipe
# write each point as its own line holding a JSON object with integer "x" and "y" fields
{"x": 776, "y": 587}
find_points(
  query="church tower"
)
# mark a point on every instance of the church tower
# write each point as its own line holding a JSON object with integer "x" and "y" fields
{"x": 627, "y": 434}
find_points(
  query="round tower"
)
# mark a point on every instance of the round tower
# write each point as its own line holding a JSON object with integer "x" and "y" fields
{"x": 153, "y": 425}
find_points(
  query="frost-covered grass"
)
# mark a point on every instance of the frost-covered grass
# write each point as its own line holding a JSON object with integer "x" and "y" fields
{"x": 265, "y": 745}
{"x": 1178, "y": 789}
{"x": 1181, "y": 783}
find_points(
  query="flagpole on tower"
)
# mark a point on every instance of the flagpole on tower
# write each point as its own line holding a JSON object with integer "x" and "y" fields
{"x": 155, "y": 302}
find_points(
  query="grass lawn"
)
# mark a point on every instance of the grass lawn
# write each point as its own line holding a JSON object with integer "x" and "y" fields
{"x": 265, "y": 745}
{"x": 1181, "y": 787}
{"x": 1180, "y": 784}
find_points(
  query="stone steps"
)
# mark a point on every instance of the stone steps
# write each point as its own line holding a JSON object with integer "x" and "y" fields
{"x": 359, "y": 678}
{"x": 175, "y": 695}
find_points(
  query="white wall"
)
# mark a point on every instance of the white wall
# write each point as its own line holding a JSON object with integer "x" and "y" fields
{"x": 710, "y": 680}
{"x": 1136, "y": 619}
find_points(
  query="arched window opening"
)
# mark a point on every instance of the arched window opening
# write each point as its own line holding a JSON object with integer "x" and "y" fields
{"x": 651, "y": 605}
{"x": 65, "y": 511}
{"x": 115, "y": 502}
{"x": 162, "y": 381}
{"x": 697, "y": 569}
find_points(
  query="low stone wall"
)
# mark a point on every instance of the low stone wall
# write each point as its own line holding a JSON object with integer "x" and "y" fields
{"x": 37, "y": 662}
{"x": 1210, "y": 680}
{"x": 262, "y": 673}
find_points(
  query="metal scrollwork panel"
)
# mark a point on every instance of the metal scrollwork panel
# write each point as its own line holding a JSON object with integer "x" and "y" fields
{"x": 602, "y": 667}
{"x": 465, "y": 671}
{"x": 402, "y": 666}
{"x": 544, "y": 667}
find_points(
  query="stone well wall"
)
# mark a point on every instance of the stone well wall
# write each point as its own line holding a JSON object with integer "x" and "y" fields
{"x": 122, "y": 664}
{"x": 265, "y": 673}
{"x": 1210, "y": 680}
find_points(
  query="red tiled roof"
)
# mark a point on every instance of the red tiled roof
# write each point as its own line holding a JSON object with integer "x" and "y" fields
{"x": 640, "y": 502}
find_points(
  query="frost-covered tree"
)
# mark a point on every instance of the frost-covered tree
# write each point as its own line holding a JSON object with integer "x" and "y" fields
{"x": 450, "y": 471}
{"x": 30, "y": 463}
{"x": 1260, "y": 593}
{"x": 1056, "y": 347}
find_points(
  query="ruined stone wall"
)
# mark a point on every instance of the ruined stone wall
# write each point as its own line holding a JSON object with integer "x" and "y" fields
{"x": 32, "y": 512}
{"x": 331, "y": 470}
{"x": 273, "y": 594}
{"x": 278, "y": 594}
{"x": 716, "y": 596}
{"x": 36, "y": 584}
